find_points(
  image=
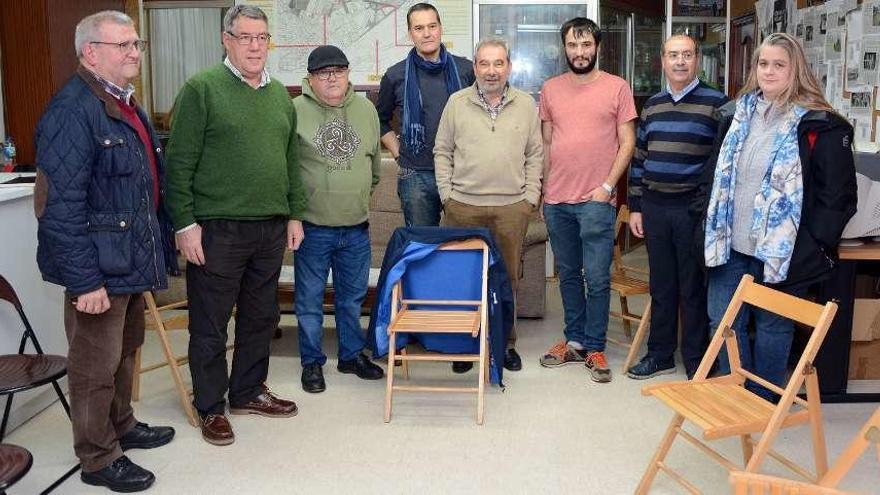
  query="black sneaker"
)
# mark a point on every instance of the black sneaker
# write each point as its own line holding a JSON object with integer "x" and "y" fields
{"x": 462, "y": 366}
{"x": 362, "y": 367}
{"x": 121, "y": 475}
{"x": 144, "y": 436}
{"x": 649, "y": 367}
{"x": 512, "y": 361}
{"x": 313, "y": 379}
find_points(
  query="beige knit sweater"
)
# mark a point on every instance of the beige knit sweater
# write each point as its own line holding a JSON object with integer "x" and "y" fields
{"x": 479, "y": 164}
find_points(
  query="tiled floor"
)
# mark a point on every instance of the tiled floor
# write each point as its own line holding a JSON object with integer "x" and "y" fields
{"x": 549, "y": 431}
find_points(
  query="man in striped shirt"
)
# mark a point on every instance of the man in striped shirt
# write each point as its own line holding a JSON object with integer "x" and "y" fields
{"x": 675, "y": 135}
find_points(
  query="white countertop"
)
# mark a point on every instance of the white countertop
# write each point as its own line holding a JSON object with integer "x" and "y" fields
{"x": 9, "y": 192}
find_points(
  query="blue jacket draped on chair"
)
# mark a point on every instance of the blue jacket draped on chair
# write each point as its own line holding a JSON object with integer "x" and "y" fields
{"x": 447, "y": 277}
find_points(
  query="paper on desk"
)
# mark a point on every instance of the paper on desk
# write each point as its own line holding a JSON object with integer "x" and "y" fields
{"x": 866, "y": 221}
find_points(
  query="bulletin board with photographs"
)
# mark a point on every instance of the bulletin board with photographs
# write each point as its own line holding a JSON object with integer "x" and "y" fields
{"x": 841, "y": 39}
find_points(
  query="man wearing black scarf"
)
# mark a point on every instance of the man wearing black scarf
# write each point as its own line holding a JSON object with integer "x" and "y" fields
{"x": 416, "y": 89}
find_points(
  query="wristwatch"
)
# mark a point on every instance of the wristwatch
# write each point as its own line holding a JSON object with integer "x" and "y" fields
{"x": 609, "y": 189}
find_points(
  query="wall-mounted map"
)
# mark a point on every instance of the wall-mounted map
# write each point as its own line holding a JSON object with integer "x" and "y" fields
{"x": 372, "y": 34}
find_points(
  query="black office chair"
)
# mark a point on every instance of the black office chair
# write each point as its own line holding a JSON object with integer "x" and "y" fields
{"x": 19, "y": 372}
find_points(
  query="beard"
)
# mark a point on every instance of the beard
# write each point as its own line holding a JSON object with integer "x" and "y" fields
{"x": 581, "y": 70}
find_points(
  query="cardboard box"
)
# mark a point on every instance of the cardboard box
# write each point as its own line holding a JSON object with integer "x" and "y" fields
{"x": 864, "y": 360}
{"x": 866, "y": 320}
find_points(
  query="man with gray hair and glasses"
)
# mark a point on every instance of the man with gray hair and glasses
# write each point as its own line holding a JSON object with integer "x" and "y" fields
{"x": 673, "y": 149}
{"x": 488, "y": 161}
{"x": 105, "y": 237}
{"x": 236, "y": 199}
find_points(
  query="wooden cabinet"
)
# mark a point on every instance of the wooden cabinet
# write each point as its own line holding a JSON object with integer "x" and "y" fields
{"x": 38, "y": 57}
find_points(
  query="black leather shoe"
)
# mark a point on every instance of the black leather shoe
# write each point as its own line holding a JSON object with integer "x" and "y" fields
{"x": 362, "y": 367}
{"x": 462, "y": 366}
{"x": 121, "y": 475}
{"x": 313, "y": 379}
{"x": 144, "y": 436}
{"x": 512, "y": 361}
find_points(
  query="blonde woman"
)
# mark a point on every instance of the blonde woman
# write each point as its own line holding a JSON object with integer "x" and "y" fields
{"x": 782, "y": 190}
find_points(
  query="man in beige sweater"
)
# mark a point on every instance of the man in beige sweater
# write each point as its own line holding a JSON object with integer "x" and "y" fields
{"x": 488, "y": 159}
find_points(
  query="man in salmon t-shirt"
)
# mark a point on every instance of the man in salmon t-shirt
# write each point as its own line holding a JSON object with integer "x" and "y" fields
{"x": 589, "y": 136}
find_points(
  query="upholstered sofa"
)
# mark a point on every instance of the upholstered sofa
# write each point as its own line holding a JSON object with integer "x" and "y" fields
{"x": 386, "y": 215}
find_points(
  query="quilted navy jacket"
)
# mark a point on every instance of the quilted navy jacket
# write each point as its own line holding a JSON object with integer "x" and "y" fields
{"x": 94, "y": 196}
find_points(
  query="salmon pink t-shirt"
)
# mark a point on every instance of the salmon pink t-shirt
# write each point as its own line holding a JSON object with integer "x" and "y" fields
{"x": 584, "y": 120}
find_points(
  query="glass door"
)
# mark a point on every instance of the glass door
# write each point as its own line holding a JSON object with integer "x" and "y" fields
{"x": 647, "y": 70}
{"x": 706, "y": 21}
{"x": 615, "y": 56}
{"x": 531, "y": 30}
{"x": 630, "y": 49}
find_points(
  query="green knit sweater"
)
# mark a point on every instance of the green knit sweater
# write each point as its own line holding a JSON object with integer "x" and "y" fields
{"x": 233, "y": 151}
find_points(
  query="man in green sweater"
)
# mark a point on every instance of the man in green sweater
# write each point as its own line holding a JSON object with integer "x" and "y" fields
{"x": 236, "y": 197}
{"x": 338, "y": 136}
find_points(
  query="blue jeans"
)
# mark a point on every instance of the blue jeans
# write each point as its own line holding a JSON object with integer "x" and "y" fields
{"x": 419, "y": 198}
{"x": 773, "y": 333}
{"x": 582, "y": 238}
{"x": 347, "y": 251}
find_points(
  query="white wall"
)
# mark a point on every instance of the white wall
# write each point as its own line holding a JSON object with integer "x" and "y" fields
{"x": 42, "y": 302}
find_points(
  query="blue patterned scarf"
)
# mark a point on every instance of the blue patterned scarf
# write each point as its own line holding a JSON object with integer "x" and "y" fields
{"x": 777, "y": 209}
{"x": 412, "y": 129}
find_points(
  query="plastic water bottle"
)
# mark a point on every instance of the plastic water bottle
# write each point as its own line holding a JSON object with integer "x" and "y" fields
{"x": 9, "y": 154}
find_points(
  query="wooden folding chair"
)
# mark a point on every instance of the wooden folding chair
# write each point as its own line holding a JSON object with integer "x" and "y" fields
{"x": 722, "y": 407}
{"x": 744, "y": 483}
{"x": 429, "y": 316}
{"x": 759, "y": 484}
{"x": 161, "y": 325}
{"x": 625, "y": 284}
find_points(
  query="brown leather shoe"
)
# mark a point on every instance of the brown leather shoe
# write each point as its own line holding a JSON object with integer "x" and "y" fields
{"x": 267, "y": 404}
{"x": 216, "y": 430}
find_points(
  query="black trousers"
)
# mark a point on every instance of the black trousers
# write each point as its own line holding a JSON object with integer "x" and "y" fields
{"x": 676, "y": 281}
{"x": 242, "y": 265}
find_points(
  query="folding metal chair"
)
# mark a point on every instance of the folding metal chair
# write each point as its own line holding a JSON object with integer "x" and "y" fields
{"x": 20, "y": 372}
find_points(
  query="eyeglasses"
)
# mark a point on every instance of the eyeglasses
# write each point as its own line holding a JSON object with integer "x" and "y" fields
{"x": 247, "y": 39}
{"x": 324, "y": 75}
{"x": 687, "y": 56}
{"x": 125, "y": 46}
